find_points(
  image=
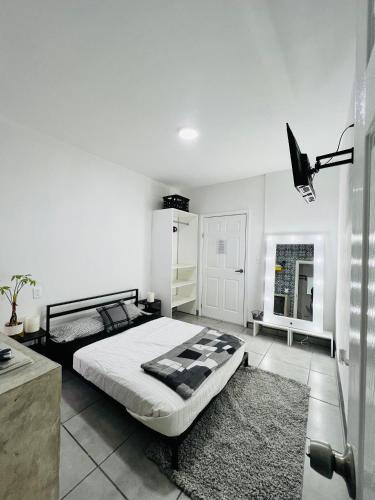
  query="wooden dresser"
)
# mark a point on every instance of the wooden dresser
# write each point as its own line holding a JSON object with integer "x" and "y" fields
{"x": 30, "y": 428}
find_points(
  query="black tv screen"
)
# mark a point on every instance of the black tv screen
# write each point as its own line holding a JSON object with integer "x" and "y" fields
{"x": 302, "y": 173}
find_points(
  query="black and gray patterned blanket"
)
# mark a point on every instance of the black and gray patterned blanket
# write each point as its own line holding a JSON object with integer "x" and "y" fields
{"x": 185, "y": 367}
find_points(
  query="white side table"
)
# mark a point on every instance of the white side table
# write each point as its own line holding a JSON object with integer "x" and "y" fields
{"x": 291, "y": 330}
{"x": 257, "y": 324}
{"x": 320, "y": 335}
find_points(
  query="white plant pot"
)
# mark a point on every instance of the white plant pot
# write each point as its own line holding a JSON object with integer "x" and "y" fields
{"x": 13, "y": 330}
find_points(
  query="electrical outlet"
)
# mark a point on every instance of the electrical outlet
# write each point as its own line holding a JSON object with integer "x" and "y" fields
{"x": 37, "y": 292}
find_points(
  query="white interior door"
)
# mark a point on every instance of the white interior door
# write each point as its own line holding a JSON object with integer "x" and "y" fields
{"x": 223, "y": 267}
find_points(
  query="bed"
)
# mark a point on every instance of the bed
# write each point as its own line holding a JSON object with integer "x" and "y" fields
{"x": 114, "y": 365}
{"x": 71, "y": 309}
{"x": 112, "y": 362}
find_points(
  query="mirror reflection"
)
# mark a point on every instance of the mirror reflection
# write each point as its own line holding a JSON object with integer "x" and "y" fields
{"x": 294, "y": 281}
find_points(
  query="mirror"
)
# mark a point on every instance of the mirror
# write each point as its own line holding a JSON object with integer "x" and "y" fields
{"x": 294, "y": 281}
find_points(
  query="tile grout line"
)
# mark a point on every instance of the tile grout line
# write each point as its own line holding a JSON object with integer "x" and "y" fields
{"x": 117, "y": 447}
{"x": 264, "y": 355}
{"x": 82, "y": 448}
{"x": 324, "y": 373}
{"x": 79, "y": 482}
{"x": 97, "y": 466}
{"x": 111, "y": 481}
{"x": 326, "y": 402}
{"x": 288, "y": 363}
{"x": 88, "y": 454}
{"x": 308, "y": 369}
{"x": 81, "y": 411}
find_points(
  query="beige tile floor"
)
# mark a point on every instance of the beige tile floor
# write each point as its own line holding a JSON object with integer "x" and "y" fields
{"x": 102, "y": 448}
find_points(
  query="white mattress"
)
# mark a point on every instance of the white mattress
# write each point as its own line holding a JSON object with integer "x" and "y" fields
{"x": 114, "y": 365}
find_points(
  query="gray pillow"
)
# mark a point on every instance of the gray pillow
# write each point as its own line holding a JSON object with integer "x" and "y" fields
{"x": 76, "y": 329}
{"x": 115, "y": 318}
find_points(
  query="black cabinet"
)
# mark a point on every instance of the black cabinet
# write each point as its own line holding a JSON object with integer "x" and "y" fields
{"x": 38, "y": 338}
{"x": 151, "y": 307}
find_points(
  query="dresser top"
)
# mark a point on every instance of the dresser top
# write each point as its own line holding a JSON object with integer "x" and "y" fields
{"x": 19, "y": 376}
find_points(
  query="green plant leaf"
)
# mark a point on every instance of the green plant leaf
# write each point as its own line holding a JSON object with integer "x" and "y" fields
{"x": 21, "y": 281}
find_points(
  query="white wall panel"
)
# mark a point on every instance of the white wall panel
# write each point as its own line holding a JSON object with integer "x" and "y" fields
{"x": 81, "y": 225}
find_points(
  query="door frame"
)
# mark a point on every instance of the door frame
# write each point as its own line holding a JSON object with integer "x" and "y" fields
{"x": 200, "y": 264}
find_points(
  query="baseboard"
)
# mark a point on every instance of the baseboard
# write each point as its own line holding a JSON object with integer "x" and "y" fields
{"x": 342, "y": 404}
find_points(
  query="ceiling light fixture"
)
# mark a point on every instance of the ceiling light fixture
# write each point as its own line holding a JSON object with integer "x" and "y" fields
{"x": 188, "y": 134}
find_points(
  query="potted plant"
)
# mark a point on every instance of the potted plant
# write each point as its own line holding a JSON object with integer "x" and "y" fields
{"x": 14, "y": 327}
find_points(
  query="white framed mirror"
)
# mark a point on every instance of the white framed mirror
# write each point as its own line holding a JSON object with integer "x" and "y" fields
{"x": 294, "y": 281}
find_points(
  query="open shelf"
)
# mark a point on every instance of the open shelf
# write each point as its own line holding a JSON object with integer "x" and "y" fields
{"x": 178, "y": 301}
{"x": 184, "y": 266}
{"x": 180, "y": 283}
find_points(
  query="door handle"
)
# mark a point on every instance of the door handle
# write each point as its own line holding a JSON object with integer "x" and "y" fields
{"x": 327, "y": 461}
{"x": 239, "y": 271}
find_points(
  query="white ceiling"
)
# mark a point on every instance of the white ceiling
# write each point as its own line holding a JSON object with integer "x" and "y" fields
{"x": 117, "y": 78}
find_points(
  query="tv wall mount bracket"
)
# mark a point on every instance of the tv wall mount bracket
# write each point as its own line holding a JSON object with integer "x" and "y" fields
{"x": 346, "y": 161}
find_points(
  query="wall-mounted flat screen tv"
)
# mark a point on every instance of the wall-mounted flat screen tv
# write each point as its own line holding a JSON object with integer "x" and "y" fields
{"x": 302, "y": 172}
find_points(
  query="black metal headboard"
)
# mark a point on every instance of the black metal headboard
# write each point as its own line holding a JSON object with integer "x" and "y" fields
{"x": 131, "y": 294}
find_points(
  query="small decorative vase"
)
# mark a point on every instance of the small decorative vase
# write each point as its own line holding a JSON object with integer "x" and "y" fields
{"x": 13, "y": 330}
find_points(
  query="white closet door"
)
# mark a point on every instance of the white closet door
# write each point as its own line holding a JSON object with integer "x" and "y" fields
{"x": 223, "y": 267}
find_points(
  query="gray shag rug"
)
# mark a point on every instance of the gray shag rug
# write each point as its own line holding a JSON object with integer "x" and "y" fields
{"x": 249, "y": 443}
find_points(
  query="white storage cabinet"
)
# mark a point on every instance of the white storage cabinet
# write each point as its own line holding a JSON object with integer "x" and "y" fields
{"x": 174, "y": 260}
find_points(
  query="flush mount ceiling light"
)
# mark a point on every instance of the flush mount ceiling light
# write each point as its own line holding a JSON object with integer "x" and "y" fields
{"x": 188, "y": 134}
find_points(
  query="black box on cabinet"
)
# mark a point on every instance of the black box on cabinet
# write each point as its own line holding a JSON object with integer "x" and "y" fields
{"x": 176, "y": 201}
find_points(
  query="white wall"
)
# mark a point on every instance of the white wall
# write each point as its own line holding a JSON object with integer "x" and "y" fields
{"x": 344, "y": 239}
{"x": 343, "y": 278}
{"x": 286, "y": 212}
{"x": 81, "y": 225}
{"x": 276, "y": 207}
{"x": 245, "y": 194}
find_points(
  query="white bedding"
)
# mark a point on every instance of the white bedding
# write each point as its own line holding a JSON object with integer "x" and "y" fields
{"x": 114, "y": 365}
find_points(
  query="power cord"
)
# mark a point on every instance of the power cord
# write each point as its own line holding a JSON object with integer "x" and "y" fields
{"x": 304, "y": 341}
{"x": 338, "y": 146}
